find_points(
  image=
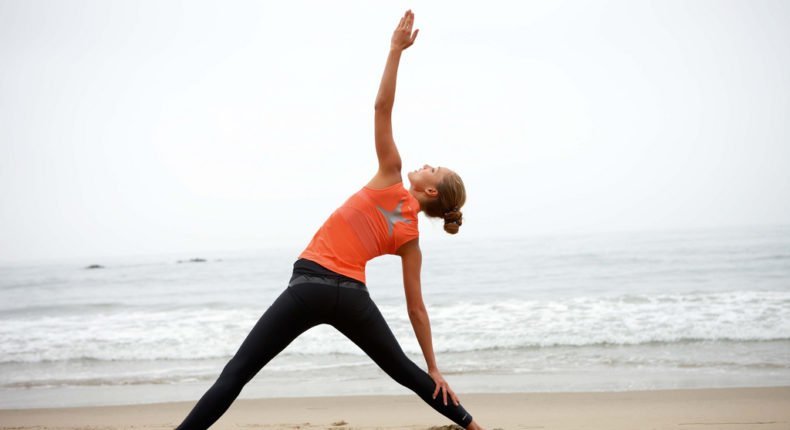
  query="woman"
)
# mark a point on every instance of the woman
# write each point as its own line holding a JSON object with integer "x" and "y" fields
{"x": 328, "y": 282}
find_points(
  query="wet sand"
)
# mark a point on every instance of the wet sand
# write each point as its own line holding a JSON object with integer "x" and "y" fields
{"x": 708, "y": 409}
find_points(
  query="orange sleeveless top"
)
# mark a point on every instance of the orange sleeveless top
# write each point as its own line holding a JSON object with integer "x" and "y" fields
{"x": 370, "y": 223}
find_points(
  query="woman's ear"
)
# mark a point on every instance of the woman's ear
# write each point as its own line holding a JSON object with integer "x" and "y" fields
{"x": 431, "y": 192}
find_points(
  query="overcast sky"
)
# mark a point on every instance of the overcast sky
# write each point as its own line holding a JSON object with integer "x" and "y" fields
{"x": 148, "y": 127}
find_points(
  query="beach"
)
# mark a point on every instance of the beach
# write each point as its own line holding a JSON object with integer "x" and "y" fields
{"x": 730, "y": 408}
{"x": 624, "y": 261}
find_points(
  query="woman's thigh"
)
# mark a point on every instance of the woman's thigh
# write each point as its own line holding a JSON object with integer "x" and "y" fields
{"x": 279, "y": 325}
{"x": 359, "y": 319}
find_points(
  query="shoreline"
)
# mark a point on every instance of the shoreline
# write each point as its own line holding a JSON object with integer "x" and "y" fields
{"x": 708, "y": 408}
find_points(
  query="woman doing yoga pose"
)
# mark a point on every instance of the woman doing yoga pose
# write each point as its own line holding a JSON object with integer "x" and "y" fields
{"x": 328, "y": 282}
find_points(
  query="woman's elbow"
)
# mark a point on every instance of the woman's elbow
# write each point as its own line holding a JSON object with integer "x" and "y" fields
{"x": 417, "y": 311}
{"x": 382, "y": 107}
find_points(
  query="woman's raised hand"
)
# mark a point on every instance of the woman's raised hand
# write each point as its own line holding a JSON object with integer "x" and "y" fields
{"x": 402, "y": 38}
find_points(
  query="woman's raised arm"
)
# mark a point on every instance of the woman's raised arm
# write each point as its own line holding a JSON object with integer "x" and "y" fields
{"x": 389, "y": 159}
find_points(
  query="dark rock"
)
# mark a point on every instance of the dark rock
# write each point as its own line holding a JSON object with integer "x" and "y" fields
{"x": 193, "y": 260}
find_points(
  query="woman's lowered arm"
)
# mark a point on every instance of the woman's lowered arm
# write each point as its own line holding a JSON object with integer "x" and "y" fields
{"x": 411, "y": 256}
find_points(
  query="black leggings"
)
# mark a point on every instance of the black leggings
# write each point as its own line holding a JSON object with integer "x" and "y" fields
{"x": 298, "y": 308}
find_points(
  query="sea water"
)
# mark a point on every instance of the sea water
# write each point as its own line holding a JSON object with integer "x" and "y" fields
{"x": 597, "y": 312}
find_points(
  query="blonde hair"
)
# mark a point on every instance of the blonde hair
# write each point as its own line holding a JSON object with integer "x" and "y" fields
{"x": 447, "y": 204}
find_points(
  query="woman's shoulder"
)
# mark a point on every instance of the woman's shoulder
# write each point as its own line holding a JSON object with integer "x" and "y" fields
{"x": 394, "y": 187}
{"x": 394, "y": 193}
{"x": 398, "y": 208}
{"x": 384, "y": 180}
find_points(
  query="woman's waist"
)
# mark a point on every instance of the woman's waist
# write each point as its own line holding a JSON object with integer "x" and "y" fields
{"x": 305, "y": 271}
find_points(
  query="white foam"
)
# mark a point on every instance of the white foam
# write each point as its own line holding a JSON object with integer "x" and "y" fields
{"x": 190, "y": 333}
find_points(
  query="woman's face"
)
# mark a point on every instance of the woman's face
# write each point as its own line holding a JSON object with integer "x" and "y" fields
{"x": 427, "y": 178}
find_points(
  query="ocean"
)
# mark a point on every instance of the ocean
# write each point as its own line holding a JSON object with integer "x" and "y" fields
{"x": 596, "y": 312}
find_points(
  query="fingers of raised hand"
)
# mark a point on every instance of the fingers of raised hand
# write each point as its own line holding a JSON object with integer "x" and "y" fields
{"x": 436, "y": 392}
{"x": 404, "y": 19}
{"x": 444, "y": 393}
{"x": 407, "y": 21}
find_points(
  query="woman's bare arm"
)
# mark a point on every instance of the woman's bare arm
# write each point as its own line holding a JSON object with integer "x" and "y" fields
{"x": 411, "y": 257}
{"x": 389, "y": 172}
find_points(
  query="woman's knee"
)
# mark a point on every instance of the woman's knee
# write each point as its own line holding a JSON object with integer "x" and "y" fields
{"x": 238, "y": 371}
{"x": 407, "y": 373}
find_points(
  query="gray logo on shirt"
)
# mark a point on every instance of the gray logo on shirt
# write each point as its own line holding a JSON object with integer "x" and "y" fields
{"x": 394, "y": 216}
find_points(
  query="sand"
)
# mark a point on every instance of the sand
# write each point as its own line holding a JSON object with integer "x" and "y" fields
{"x": 703, "y": 409}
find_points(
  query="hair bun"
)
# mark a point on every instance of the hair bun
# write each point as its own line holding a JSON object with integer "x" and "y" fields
{"x": 452, "y": 220}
